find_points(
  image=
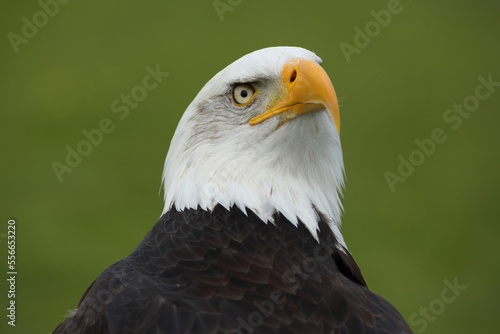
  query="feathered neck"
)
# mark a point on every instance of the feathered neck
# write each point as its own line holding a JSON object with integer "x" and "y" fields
{"x": 301, "y": 178}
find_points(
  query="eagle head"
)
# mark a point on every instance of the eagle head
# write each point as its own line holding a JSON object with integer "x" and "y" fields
{"x": 262, "y": 135}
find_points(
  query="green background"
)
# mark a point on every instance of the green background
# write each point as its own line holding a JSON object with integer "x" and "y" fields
{"x": 440, "y": 224}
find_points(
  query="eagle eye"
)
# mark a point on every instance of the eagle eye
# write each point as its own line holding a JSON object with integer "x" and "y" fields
{"x": 243, "y": 93}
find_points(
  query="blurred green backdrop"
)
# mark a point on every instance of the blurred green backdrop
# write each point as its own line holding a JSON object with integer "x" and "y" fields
{"x": 395, "y": 87}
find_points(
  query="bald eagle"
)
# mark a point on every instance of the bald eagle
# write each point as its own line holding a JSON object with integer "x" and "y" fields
{"x": 249, "y": 240}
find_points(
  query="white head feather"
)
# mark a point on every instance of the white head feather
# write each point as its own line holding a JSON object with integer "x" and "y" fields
{"x": 217, "y": 157}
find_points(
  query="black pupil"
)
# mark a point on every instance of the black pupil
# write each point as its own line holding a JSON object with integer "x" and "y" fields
{"x": 244, "y": 93}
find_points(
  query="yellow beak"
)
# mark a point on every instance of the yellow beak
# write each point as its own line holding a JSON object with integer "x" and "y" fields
{"x": 305, "y": 87}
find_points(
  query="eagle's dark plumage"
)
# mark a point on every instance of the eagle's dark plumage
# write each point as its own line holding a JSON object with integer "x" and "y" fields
{"x": 225, "y": 272}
